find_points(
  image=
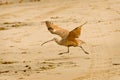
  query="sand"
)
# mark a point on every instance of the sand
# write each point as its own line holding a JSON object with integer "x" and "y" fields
{"x": 22, "y": 31}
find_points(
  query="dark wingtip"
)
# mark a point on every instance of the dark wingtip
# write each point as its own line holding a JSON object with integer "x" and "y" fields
{"x": 46, "y": 21}
{"x": 49, "y": 28}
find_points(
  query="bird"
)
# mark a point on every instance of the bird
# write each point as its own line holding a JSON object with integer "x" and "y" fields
{"x": 68, "y": 38}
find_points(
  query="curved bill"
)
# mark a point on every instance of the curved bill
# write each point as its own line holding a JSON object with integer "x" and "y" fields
{"x": 47, "y": 42}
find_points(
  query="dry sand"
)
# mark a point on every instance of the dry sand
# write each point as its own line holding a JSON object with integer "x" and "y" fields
{"x": 22, "y": 31}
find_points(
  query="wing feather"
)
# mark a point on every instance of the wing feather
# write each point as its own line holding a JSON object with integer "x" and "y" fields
{"x": 75, "y": 33}
{"x": 54, "y": 29}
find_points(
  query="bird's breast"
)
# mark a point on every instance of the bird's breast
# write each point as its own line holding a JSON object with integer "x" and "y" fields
{"x": 67, "y": 42}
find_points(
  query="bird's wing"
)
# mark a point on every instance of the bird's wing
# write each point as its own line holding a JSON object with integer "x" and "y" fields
{"x": 54, "y": 29}
{"x": 75, "y": 33}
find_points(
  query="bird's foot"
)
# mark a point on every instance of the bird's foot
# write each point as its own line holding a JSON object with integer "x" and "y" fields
{"x": 62, "y": 53}
{"x": 86, "y": 52}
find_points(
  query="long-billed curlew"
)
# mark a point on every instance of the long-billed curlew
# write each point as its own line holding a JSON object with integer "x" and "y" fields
{"x": 69, "y": 38}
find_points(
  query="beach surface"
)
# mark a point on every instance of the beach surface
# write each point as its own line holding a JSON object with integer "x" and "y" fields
{"x": 23, "y": 30}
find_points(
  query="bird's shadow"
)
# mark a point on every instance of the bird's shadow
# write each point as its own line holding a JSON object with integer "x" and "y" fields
{"x": 63, "y": 57}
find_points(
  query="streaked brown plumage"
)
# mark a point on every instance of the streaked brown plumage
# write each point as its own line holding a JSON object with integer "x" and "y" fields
{"x": 69, "y": 38}
{"x": 54, "y": 29}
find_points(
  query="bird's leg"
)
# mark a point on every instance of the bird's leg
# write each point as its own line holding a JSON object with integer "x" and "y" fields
{"x": 64, "y": 52}
{"x": 47, "y": 42}
{"x": 84, "y": 50}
